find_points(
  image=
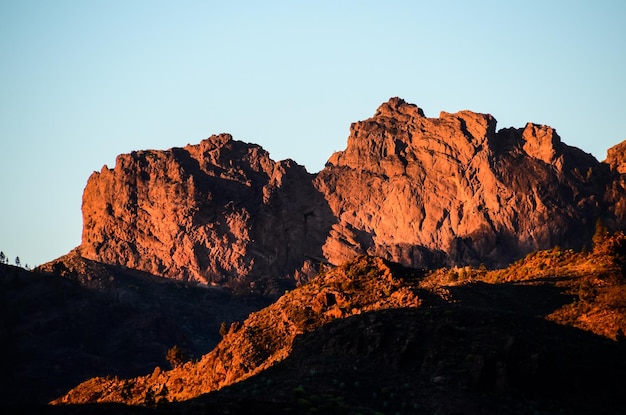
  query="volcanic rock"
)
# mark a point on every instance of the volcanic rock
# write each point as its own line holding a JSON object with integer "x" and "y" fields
{"x": 216, "y": 212}
{"x": 616, "y": 157}
{"x": 421, "y": 191}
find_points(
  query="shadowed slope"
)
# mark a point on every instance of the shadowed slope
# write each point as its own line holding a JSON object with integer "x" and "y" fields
{"x": 371, "y": 336}
{"x": 76, "y": 319}
{"x": 266, "y": 337}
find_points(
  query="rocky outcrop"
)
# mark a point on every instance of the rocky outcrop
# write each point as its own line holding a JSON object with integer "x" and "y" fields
{"x": 615, "y": 194}
{"x": 451, "y": 189}
{"x": 420, "y": 191}
{"x": 217, "y": 212}
{"x": 616, "y": 157}
{"x": 541, "y": 333}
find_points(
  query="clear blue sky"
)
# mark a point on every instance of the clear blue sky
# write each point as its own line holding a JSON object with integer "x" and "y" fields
{"x": 82, "y": 81}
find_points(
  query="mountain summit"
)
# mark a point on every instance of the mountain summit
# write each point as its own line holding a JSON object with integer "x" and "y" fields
{"x": 453, "y": 190}
{"x": 421, "y": 191}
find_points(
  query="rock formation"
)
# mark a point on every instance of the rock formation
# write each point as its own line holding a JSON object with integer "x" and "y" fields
{"x": 420, "y": 191}
{"x": 423, "y": 192}
{"x": 616, "y": 157}
{"x": 408, "y": 187}
{"x": 217, "y": 212}
{"x": 615, "y": 194}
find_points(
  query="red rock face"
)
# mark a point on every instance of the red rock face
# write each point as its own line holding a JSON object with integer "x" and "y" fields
{"x": 216, "y": 212}
{"x": 417, "y": 190}
{"x": 616, "y": 157}
{"x": 615, "y": 195}
{"x": 452, "y": 189}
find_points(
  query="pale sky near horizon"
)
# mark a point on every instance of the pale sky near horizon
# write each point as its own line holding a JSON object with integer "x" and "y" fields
{"x": 82, "y": 81}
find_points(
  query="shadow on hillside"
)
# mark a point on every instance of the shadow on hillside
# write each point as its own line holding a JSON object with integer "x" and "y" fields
{"x": 57, "y": 332}
{"x": 537, "y": 300}
{"x": 488, "y": 353}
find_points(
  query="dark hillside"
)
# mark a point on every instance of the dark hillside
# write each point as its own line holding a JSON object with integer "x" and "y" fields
{"x": 57, "y": 332}
{"x": 528, "y": 339}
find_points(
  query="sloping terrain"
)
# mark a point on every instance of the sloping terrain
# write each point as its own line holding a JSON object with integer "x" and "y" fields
{"x": 265, "y": 337}
{"x": 544, "y": 335}
{"x": 75, "y": 319}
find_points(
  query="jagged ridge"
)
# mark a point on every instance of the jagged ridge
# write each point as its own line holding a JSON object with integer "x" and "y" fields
{"x": 421, "y": 191}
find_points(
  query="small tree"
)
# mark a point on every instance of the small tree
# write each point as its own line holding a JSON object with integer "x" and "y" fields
{"x": 601, "y": 232}
{"x": 17, "y": 261}
{"x": 175, "y": 356}
{"x": 3, "y": 257}
{"x": 148, "y": 398}
{"x": 223, "y": 329}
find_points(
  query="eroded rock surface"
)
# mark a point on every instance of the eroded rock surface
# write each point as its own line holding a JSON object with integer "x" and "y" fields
{"x": 451, "y": 189}
{"x": 217, "y": 212}
{"x": 421, "y": 191}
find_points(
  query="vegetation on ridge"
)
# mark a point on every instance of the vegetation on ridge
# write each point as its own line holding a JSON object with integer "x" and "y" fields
{"x": 266, "y": 337}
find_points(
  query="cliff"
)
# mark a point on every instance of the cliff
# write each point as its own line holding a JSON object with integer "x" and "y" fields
{"x": 421, "y": 191}
{"x": 218, "y": 212}
{"x": 426, "y": 191}
{"x": 368, "y": 335}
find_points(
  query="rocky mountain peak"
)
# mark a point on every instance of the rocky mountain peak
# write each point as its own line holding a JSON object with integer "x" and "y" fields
{"x": 416, "y": 190}
{"x": 399, "y": 130}
{"x": 616, "y": 157}
{"x": 541, "y": 142}
{"x": 397, "y": 107}
{"x": 196, "y": 213}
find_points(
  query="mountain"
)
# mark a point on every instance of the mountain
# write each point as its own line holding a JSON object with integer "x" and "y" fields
{"x": 452, "y": 190}
{"x": 385, "y": 272}
{"x": 222, "y": 212}
{"x": 545, "y": 335}
{"x": 75, "y": 319}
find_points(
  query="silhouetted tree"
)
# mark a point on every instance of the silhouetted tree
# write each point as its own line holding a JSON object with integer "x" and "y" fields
{"x": 148, "y": 398}
{"x": 223, "y": 329}
{"x": 601, "y": 232}
{"x": 175, "y": 356}
{"x": 17, "y": 261}
{"x": 3, "y": 257}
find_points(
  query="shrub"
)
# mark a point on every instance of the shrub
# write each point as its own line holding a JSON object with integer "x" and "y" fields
{"x": 223, "y": 329}
{"x": 175, "y": 356}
